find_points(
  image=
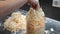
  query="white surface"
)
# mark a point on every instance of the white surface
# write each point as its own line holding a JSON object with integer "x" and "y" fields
{"x": 56, "y": 3}
{"x": 51, "y": 29}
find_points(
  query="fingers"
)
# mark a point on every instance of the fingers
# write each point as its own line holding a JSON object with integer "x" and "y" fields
{"x": 34, "y": 3}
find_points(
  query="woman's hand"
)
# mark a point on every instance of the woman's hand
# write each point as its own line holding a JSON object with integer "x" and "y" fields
{"x": 8, "y": 6}
{"x": 34, "y": 4}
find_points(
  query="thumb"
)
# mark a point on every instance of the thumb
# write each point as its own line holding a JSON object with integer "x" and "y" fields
{"x": 34, "y": 3}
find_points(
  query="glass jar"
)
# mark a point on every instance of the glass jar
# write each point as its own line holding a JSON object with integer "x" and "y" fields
{"x": 35, "y": 21}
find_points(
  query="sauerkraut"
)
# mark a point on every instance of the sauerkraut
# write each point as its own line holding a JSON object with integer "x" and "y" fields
{"x": 35, "y": 21}
{"x": 16, "y": 22}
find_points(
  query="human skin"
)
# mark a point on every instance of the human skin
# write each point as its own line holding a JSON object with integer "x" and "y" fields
{"x": 8, "y": 6}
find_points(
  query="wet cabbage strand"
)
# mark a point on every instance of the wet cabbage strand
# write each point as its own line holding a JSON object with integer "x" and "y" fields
{"x": 35, "y": 21}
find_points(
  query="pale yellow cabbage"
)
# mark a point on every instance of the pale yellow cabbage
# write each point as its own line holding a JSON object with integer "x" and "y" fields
{"x": 16, "y": 22}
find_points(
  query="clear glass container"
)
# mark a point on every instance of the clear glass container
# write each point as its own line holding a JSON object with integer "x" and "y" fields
{"x": 35, "y": 21}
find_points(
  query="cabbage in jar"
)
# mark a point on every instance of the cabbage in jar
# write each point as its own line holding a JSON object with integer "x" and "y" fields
{"x": 35, "y": 21}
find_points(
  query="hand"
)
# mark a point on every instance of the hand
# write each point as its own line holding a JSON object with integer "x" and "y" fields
{"x": 34, "y": 4}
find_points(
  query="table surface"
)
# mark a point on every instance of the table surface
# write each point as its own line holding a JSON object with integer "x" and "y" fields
{"x": 50, "y": 23}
